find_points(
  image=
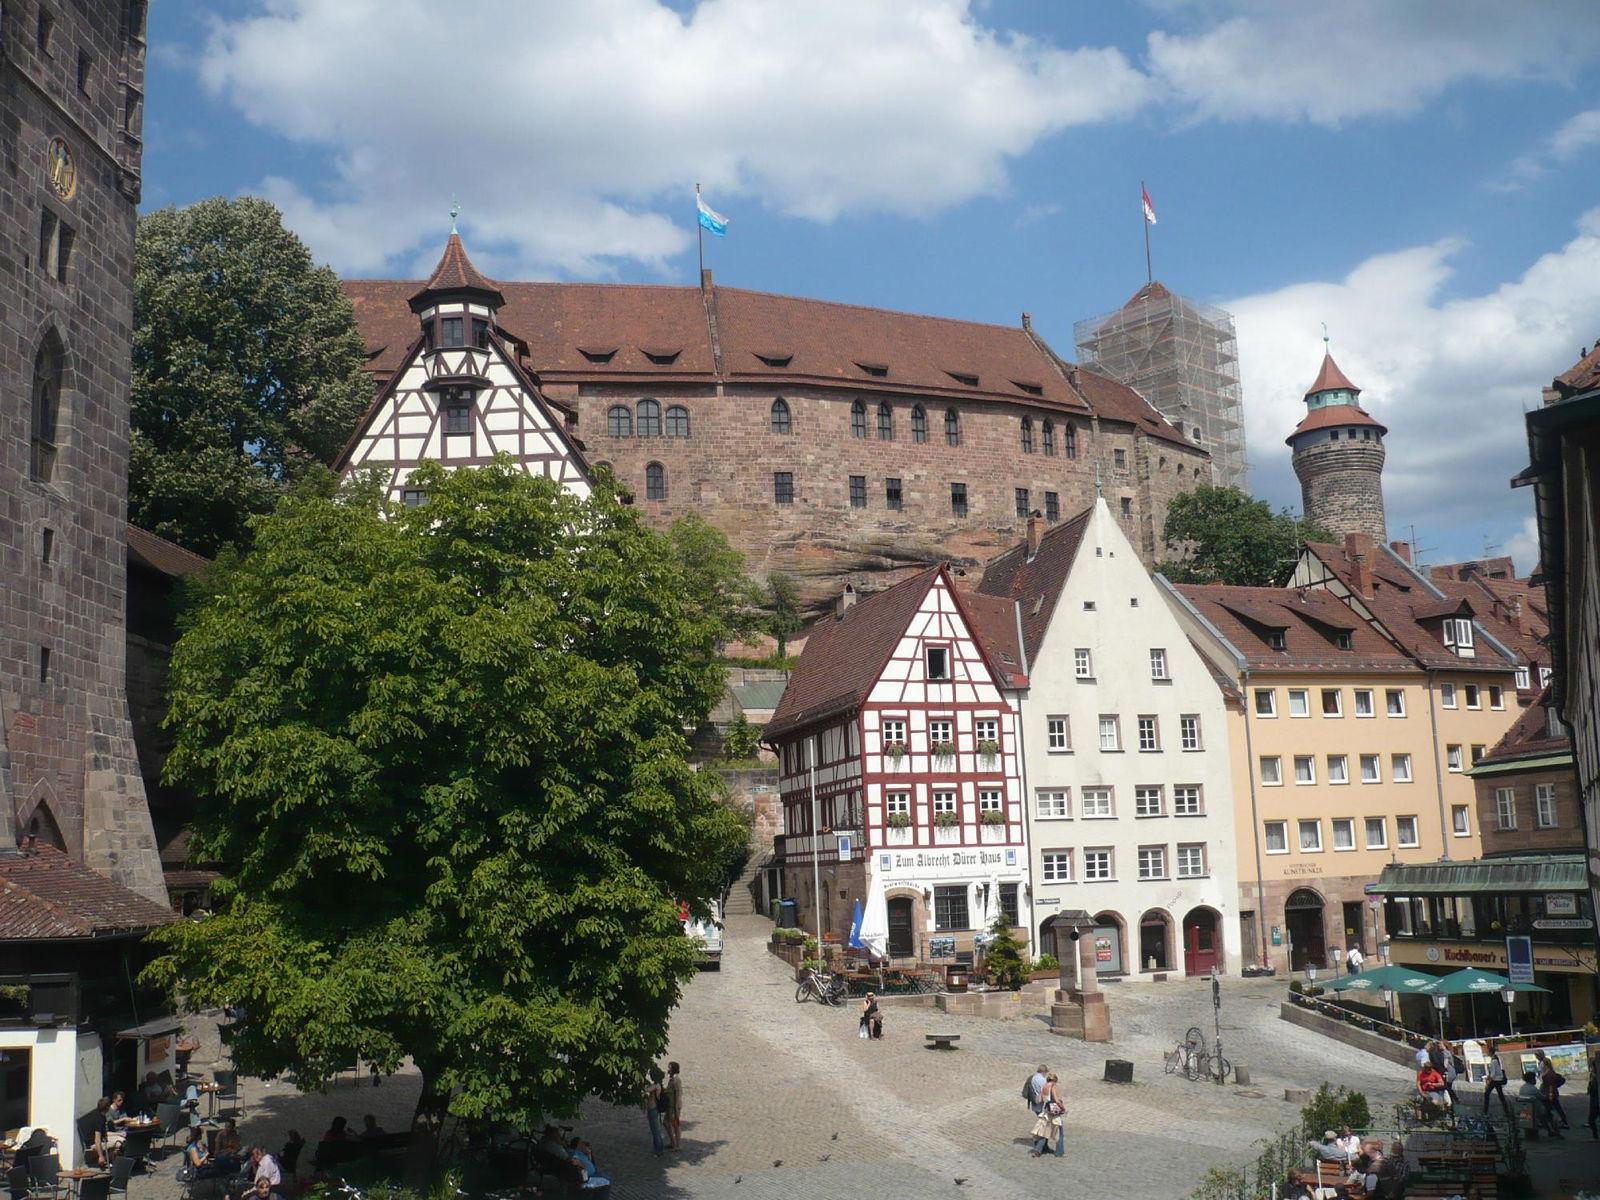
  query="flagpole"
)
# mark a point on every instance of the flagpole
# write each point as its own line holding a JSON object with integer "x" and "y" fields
{"x": 700, "y": 235}
{"x": 1144, "y": 219}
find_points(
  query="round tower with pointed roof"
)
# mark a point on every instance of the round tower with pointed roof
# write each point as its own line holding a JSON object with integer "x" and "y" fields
{"x": 1338, "y": 456}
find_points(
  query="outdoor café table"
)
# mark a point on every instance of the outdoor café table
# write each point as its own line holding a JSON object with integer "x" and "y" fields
{"x": 76, "y": 1175}
{"x": 209, "y": 1090}
{"x": 1329, "y": 1177}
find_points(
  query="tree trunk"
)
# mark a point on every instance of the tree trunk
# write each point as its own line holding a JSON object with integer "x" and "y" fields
{"x": 427, "y": 1124}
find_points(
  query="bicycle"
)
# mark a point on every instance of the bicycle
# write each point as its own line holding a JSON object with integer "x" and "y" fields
{"x": 1181, "y": 1060}
{"x": 821, "y": 987}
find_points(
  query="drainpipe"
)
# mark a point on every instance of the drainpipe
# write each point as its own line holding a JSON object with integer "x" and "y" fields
{"x": 1255, "y": 819}
{"x": 1026, "y": 797}
{"x": 1438, "y": 775}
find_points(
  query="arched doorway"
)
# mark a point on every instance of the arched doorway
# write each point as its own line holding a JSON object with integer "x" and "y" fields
{"x": 1108, "y": 953}
{"x": 902, "y": 941}
{"x": 1047, "y": 939}
{"x": 1155, "y": 941}
{"x": 1201, "y": 950}
{"x": 1303, "y": 922}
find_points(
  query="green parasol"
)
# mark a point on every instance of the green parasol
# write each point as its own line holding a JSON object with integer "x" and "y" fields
{"x": 1471, "y": 981}
{"x": 1403, "y": 980}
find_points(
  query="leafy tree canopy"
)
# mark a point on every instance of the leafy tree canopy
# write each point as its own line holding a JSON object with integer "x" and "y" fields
{"x": 442, "y": 763}
{"x": 1221, "y": 535}
{"x": 719, "y": 588}
{"x": 784, "y": 614}
{"x": 247, "y": 369}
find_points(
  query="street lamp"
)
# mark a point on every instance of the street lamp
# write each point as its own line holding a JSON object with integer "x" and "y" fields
{"x": 1388, "y": 1003}
{"x": 1509, "y": 995}
{"x": 1440, "y": 1003}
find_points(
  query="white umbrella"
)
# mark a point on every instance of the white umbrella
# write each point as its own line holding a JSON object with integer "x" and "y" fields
{"x": 874, "y": 933}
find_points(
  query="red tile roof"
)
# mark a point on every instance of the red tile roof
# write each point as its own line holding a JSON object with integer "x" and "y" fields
{"x": 455, "y": 273}
{"x": 1330, "y": 377}
{"x": 46, "y": 896}
{"x": 1335, "y": 416}
{"x": 1582, "y": 375}
{"x": 595, "y": 332}
{"x": 994, "y": 621}
{"x": 1310, "y": 620}
{"x": 1035, "y": 584}
{"x": 158, "y": 554}
{"x": 1529, "y": 737}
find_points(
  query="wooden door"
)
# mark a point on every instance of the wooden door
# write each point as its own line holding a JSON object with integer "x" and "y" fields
{"x": 1199, "y": 942}
{"x": 902, "y": 944}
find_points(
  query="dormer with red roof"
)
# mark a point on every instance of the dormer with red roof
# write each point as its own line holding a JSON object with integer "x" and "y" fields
{"x": 1338, "y": 457}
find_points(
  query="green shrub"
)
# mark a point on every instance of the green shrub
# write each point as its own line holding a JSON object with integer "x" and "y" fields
{"x": 1045, "y": 962}
{"x": 898, "y": 820}
{"x": 946, "y": 820}
{"x": 992, "y": 817}
{"x": 1331, "y": 1108}
{"x": 1003, "y": 959}
{"x": 742, "y": 740}
{"x": 811, "y": 947}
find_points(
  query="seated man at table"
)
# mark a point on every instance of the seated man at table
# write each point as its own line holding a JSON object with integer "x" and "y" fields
{"x": 370, "y": 1129}
{"x": 1394, "y": 1171}
{"x": 583, "y": 1158}
{"x": 1529, "y": 1095}
{"x": 230, "y": 1149}
{"x": 117, "y": 1114}
{"x": 92, "y": 1133}
{"x": 153, "y": 1092}
{"x": 1431, "y": 1087}
{"x": 1328, "y": 1149}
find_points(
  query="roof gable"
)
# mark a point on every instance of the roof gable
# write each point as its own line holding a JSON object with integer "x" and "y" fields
{"x": 1309, "y": 621}
{"x": 1035, "y": 584}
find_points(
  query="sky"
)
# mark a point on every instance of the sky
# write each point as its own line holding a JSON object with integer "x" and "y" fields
{"x": 1422, "y": 176}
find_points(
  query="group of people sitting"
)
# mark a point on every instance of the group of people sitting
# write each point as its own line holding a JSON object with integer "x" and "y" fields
{"x": 1437, "y": 1073}
{"x": 1364, "y": 1168}
{"x": 253, "y": 1174}
{"x": 571, "y": 1158}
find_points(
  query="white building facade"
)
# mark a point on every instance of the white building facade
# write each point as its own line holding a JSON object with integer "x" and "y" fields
{"x": 1130, "y": 793}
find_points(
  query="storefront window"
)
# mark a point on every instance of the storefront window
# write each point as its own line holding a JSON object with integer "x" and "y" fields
{"x": 16, "y": 1083}
{"x": 950, "y": 907}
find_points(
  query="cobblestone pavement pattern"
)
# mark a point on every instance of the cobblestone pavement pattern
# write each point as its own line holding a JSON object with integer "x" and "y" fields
{"x": 769, "y": 1081}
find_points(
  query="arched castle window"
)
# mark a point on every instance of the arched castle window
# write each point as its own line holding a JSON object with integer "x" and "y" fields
{"x": 655, "y": 481}
{"x": 1049, "y": 432}
{"x": 1069, "y": 440}
{"x": 885, "y": 422}
{"x": 952, "y": 427}
{"x": 678, "y": 421}
{"x": 858, "y": 420}
{"x": 781, "y": 421}
{"x": 649, "y": 413}
{"x": 1027, "y": 435}
{"x": 919, "y": 424}
{"x": 619, "y": 421}
{"x": 48, "y": 367}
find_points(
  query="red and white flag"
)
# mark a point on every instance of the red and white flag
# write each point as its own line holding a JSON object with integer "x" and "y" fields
{"x": 1149, "y": 209}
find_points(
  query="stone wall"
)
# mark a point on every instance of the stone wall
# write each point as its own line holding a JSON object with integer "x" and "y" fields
{"x": 1341, "y": 485}
{"x": 68, "y": 750}
{"x": 1528, "y": 838}
{"x": 757, "y": 789}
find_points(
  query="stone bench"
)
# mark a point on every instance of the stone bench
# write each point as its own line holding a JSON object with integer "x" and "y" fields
{"x": 942, "y": 1041}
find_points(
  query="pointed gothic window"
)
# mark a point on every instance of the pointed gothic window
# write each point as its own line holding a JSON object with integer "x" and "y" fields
{"x": 619, "y": 421}
{"x": 655, "y": 481}
{"x": 48, "y": 366}
{"x": 678, "y": 421}
{"x": 885, "y": 422}
{"x": 858, "y": 420}
{"x": 781, "y": 422}
{"x": 919, "y": 424}
{"x": 1049, "y": 432}
{"x": 649, "y": 414}
{"x": 952, "y": 427}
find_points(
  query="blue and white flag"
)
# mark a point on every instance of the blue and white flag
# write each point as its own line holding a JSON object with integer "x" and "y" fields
{"x": 710, "y": 220}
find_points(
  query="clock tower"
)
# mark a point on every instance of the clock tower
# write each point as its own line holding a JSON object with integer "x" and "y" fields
{"x": 71, "y": 112}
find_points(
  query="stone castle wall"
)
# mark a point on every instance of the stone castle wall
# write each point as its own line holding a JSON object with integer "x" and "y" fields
{"x": 724, "y": 471}
{"x": 67, "y": 755}
{"x": 1341, "y": 486}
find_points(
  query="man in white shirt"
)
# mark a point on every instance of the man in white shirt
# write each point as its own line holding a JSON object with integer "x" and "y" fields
{"x": 1353, "y": 959}
{"x": 265, "y": 1166}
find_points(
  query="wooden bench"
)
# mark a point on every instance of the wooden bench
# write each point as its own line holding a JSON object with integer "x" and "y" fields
{"x": 942, "y": 1041}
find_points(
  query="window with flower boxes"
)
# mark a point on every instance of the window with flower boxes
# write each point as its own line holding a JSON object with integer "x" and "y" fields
{"x": 941, "y": 739}
{"x": 987, "y": 732}
{"x": 897, "y": 809}
{"x": 991, "y": 806}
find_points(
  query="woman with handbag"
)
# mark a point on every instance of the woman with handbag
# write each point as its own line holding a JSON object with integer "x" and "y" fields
{"x": 871, "y": 1017}
{"x": 1051, "y": 1124}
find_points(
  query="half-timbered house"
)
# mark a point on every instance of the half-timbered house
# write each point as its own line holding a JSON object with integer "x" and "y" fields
{"x": 897, "y": 720}
{"x": 461, "y": 396}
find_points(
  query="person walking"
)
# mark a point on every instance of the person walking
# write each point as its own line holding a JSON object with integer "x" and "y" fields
{"x": 1594, "y": 1095}
{"x": 1353, "y": 959}
{"x": 1051, "y": 1124}
{"x": 674, "y": 1106}
{"x": 1494, "y": 1080}
{"x": 654, "y": 1094}
{"x": 1450, "y": 1072}
{"x": 1033, "y": 1090}
{"x": 1551, "y": 1082}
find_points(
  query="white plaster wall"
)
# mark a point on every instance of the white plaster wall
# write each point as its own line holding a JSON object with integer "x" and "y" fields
{"x": 65, "y": 1081}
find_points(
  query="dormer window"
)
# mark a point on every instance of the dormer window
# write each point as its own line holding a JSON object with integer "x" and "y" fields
{"x": 1458, "y": 635}
{"x": 1524, "y": 679}
{"x": 451, "y": 332}
{"x": 775, "y": 359}
{"x": 1033, "y": 389}
{"x": 963, "y": 378}
{"x": 662, "y": 358}
{"x": 1343, "y": 640}
{"x": 480, "y": 333}
{"x": 876, "y": 370}
{"x": 1276, "y": 640}
{"x": 598, "y": 355}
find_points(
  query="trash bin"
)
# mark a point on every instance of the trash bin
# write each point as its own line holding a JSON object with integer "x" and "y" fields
{"x": 955, "y": 979}
{"x": 788, "y": 914}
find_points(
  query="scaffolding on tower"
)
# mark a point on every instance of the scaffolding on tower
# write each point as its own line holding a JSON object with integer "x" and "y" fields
{"x": 1182, "y": 356}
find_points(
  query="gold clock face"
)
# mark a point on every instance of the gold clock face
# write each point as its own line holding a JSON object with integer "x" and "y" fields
{"x": 63, "y": 169}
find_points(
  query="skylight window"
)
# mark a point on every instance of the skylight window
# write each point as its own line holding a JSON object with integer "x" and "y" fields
{"x": 876, "y": 370}
{"x": 661, "y": 357}
{"x": 963, "y": 378}
{"x": 1033, "y": 389}
{"x": 775, "y": 358}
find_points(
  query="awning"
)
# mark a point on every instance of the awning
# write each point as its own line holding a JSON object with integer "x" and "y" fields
{"x": 1546, "y": 873}
{"x": 1522, "y": 764}
{"x": 159, "y": 1027}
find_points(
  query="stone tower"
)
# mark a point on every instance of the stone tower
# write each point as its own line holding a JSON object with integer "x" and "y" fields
{"x": 71, "y": 111}
{"x": 1338, "y": 456}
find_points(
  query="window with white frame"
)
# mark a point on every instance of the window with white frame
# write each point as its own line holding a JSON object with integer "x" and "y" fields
{"x": 1057, "y": 734}
{"x": 1191, "y": 860}
{"x": 1458, "y": 635}
{"x": 1405, "y": 832}
{"x": 987, "y": 729}
{"x": 1370, "y": 771}
{"x": 944, "y": 802}
{"x": 1276, "y": 639}
{"x": 1552, "y": 723}
{"x": 1524, "y": 679}
{"x": 1094, "y": 802}
{"x": 1452, "y": 758}
{"x": 1474, "y": 696}
{"x": 989, "y": 800}
{"x": 1505, "y": 809}
{"x": 1053, "y": 802}
{"x": 1363, "y": 702}
{"x": 1152, "y": 862}
{"x": 1057, "y": 866}
{"x": 1394, "y": 702}
{"x": 1305, "y": 768}
{"x": 1271, "y": 770}
{"x": 1344, "y": 833}
{"x": 1310, "y": 836}
{"x": 1189, "y": 731}
{"x": 1332, "y": 702}
{"x": 1400, "y": 768}
{"x": 1447, "y": 695}
{"x": 1544, "y": 801}
{"x": 1110, "y": 732}
{"x": 1477, "y": 752}
{"x": 941, "y": 732}
{"x": 1338, "y": 768}
{"x": 897, "y": 804}
{"x": 1147, "y": 800}
{"x": 1082, "y": 666}
{"x": 1186, "y": 800}
{"x": 1460, "y": 820}
{"x": 1158, "y": 663}
{"x": 1097, "y": 862}
{"x": 1149, "y": 736}
{"x": 894, "y": 733}
{"x": 1377, "y": 833}
{"x": 1299, "y": 702}
{"x": 1497, "y": 697}
{"x": 1277, "y": 837}
{"x": 1266, "y": 702}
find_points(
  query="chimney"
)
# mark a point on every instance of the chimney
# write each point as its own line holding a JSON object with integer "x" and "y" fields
{"x": 705, "y": 279}
{"x": 1027, "y": 322}
{"x": 845, "y": 602}
{"x": 1035, "y": 532}
{"x": 1403, "y": 549}
{"x": 1355, "y": 549}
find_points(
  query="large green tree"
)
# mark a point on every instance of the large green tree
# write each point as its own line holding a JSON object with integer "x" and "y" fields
{"x": 247, "y": 369}
{"x": 442, "y": 763}
{"x": 1221, "y": 535}
{"x": 715, "y": 572}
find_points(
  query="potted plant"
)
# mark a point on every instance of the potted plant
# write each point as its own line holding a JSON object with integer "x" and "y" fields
{"x": 895, "y": 751}
{"x": 898, "y": 820}
{"x": 944, "y": 749}
{"x": 988, "y": 749}
{"x": 946, "y": 820}
{"x": 992, "y": 816}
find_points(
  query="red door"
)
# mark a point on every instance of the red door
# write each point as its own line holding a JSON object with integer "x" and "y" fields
{"x": 1199, "y": 942}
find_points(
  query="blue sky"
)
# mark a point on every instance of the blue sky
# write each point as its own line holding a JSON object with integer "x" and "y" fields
{"x": 1421, "y": 176}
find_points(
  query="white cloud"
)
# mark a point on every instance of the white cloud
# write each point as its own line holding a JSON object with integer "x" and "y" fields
{"x": 1451, "y": 378}
{"x": 1331, "y": 63}
{"x": 574, "y": 132}
{"x": 1578, "y": 133}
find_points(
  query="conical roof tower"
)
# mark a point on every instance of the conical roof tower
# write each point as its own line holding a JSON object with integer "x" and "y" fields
{"x": 1338, "y": 456}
